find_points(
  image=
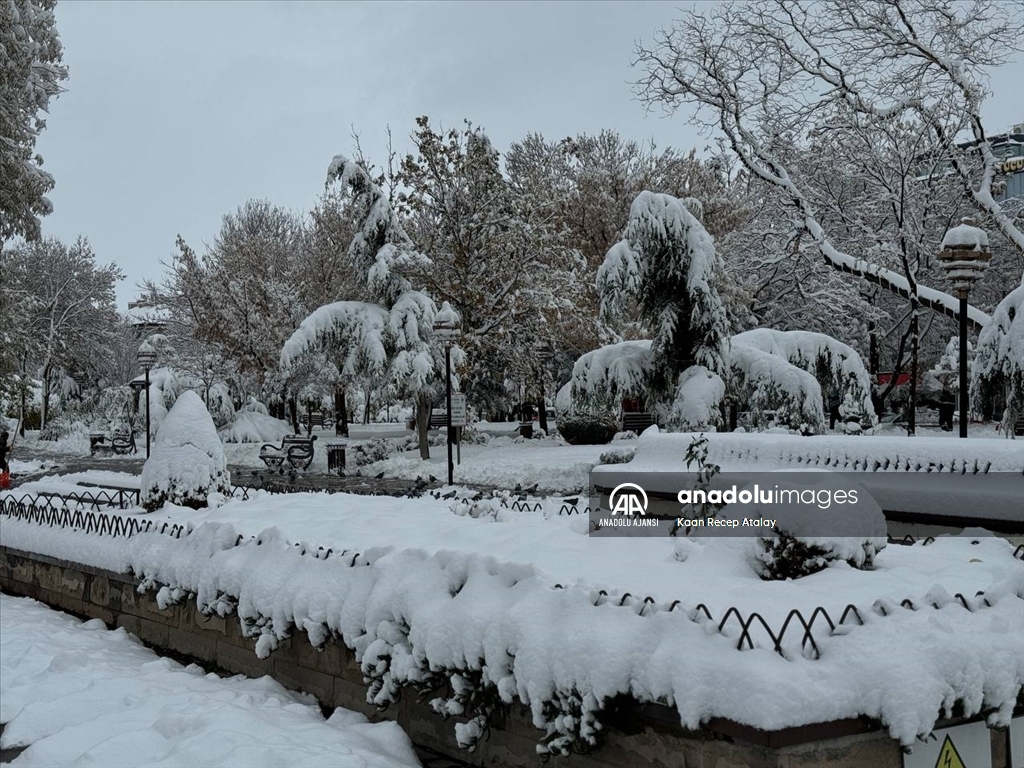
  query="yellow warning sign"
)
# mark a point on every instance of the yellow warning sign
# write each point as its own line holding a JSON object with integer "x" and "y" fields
{"x": 948, "y": 756}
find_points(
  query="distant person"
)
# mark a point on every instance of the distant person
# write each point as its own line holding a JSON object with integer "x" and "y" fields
{"x": 5, "y": 468}
{"x": 947, "y": 407}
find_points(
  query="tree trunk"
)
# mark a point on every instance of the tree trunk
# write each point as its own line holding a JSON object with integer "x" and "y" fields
{"x": 293, "y": 414}
{"x": 423, "y": 424}
{"x": 366, "y": 408}
{"x": 914, "y": 350}
{"x": 45, "y": 409}
{"x": 339, "y": 411}
{"x": 344, "y": 413}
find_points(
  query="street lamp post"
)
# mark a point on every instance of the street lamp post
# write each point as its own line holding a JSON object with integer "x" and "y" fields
{"x": 447, "y": 328}
{"x": 147, "y": 358}
{"x": 964, "y": 257}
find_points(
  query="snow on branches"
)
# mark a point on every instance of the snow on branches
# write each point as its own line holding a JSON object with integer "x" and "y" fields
{"x": 665, "y": 267}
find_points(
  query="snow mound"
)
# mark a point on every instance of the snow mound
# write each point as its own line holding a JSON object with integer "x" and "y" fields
{"x": 187, "y": 461}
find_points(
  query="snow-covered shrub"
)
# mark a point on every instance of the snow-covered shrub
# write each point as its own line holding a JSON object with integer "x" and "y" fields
{"x": 767, "y": 383}
{"x": 618, "y": 456}
{"x": 187, "y": 462}
{"x": 579, "y": 428}
{"x": 808, "y": 536}
{"x": 999, "y": 363}
{"x": 253, "y": 427}
{"x": 698, "y": 400}
{"x": 835, "y": 365}
{"x": 372, "y": 451}
{"x": 254, "y": 406}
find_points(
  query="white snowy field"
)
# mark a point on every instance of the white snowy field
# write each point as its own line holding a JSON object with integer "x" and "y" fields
{"x": 79, "y": 694}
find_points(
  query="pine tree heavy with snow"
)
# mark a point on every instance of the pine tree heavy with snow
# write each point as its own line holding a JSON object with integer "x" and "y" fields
{"x": 665, "y": 267}
{"x": 30, "y": 75}
{"x": 385, "y": 341}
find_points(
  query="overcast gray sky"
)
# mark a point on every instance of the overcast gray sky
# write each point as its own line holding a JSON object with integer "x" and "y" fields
{"x": 178, "y": 112}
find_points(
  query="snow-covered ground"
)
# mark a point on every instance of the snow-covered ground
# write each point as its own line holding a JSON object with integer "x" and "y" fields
{"x": 79, "y": 694}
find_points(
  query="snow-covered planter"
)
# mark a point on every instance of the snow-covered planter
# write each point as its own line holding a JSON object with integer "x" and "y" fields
{"x": 808, "y": 537}
{"x": 187, "y": 462}
{"x": 580, "y": 428}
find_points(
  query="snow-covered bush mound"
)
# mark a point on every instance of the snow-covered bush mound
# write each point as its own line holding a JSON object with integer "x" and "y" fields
{"x": 578, "y": 428}
{"x": 618, "y": 456}
{"x": 697, "y": 405}
{"x": 187, "y": 463}
{"x": 253, "y": 427}
{"x": 823, "y": 527}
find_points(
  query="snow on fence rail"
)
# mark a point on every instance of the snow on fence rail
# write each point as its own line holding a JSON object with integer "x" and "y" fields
{"x": 867, "y": 453}
{"x": 43, "y": 511}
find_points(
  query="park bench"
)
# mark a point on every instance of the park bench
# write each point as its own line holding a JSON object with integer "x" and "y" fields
{"x": 636, "y": 421}
{"x": 316, "y": 420}
{"x": 295, "y": 449}
{"x": 438, "y": 419}
{"x": 122, "y": 442}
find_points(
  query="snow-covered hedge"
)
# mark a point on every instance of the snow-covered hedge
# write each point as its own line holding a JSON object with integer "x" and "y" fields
{"x": 254, "y": 427}
{"x": 768, "y": 383}
{"x": 832, "y": 363}
{"x": 187, "y": 462}
{"x": 579, "y": 428}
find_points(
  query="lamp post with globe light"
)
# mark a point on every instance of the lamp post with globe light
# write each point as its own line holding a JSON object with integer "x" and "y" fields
{"x": 147, "y": 359}
{"x": 964, "y": 257}
{"x": 447, "y": 327}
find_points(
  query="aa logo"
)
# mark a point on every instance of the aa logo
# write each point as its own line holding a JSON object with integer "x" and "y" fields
{"x": 948, "y": 756}
{"x": 628, "y": 499}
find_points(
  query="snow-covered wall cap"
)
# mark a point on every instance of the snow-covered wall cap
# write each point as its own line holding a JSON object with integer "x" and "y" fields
{"x": 966, "y": 236}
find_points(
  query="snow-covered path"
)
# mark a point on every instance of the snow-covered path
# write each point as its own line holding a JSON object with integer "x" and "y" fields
{"x": 79, "y": 694}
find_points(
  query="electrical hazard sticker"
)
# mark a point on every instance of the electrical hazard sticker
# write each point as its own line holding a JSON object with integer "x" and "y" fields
{"x": 962, "y": 746}
{"x": 948, "y": 756}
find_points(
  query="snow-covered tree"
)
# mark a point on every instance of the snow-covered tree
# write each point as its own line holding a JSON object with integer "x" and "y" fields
{"x": 999, "y": 363}
{"x": 493, "y": 254}
{"x": 30, "y": 75}
{"x": 772, "y": 75}
{"x": 187, "y": 461}
{"x": 665, "y": 268}
{"x": 604, "y": 377}
{"x": 65, "y": 312}
{"x": 385, "y": 340}
{"x": 697, "y": 405}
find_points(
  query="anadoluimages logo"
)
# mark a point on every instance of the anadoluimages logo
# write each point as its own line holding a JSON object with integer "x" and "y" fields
{"x": 629, "y": 499}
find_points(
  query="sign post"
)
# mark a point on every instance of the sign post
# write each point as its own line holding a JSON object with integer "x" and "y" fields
{"x": 459, "y": 419}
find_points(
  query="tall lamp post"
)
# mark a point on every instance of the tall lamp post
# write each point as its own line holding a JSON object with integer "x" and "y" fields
{"x": 964, "y": 257}
{"x": 147, "y": 359}
{"x": 447, "y": 329}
